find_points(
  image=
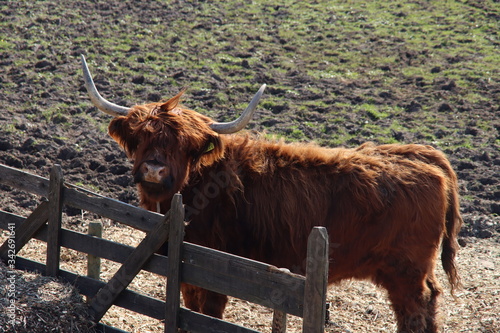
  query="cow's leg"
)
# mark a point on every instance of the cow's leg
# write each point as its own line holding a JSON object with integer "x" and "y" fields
{"x": 203, "y": 301}
{"x": 214, "y": 304}
{"x": 433, "y": 315}
{"x": 191, "y": 296}
{"x": 414, "y": 297}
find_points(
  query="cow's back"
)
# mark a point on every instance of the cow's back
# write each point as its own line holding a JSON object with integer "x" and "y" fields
{"x": 376, "y": 204}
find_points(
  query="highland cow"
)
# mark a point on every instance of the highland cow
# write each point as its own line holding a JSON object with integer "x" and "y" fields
{"x": 389, "y": 209}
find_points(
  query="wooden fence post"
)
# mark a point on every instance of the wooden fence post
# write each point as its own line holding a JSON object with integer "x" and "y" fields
{"x": 279, "y": 322}
{"x": 316, "y": 281}
{"x": 54, "y": 220}
{"x": 93, "y": 262}
{"x": 176, "y": 238}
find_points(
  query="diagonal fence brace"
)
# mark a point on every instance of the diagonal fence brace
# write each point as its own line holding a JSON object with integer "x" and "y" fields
{"x": 26, "y": 230}
{"x": 103, "y": 300}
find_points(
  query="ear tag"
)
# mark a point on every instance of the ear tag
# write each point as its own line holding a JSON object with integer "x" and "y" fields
{"x": 210, "y": 147}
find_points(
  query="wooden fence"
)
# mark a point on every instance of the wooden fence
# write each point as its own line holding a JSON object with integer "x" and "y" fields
{"x": 221, "y": 272}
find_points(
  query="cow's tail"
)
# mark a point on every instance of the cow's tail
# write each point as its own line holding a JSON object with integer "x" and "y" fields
{"x": 453, "y": 224}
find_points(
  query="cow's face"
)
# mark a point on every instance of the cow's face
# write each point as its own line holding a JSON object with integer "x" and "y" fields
{"x": 166, "y": 144}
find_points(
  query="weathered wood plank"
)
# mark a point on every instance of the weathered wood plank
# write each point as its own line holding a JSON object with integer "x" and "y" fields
{"x": 113, "y": 209}
{"x": 55, "y": 220}
{"x": 94, "y": 262}
{"x": 102, "y": 328}
{"x": 6, "y": 218}
{"x": 316, "y": 281}
{"x": 102, "y": 248}
{"x": 24, "y": 181}
{"x": 195, "y": 322}
{"x": 130, "y": 268}
{"x": 25, "y": 231}
{"x": 243, "y": 278}
{"x": 175, "y": 240}
{"x": 81, "y": 198}
{"x": 279, "y": 322}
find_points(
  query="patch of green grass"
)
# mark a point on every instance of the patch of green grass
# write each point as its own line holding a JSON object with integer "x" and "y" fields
{"x": 5, "y": 45}
{"x": 485, "y": 125}
{"x": 94, "y": 122}
{"x": 88, "y": 186}
{"x": 334, "y": 73}
{"x": 466, "y": 197}
{"x": 8, "y": 128}
{"x": 372, "y": 111}
{"x": 62, "y": 138}
{"x": 57, "y": 114}
{"x": 341, "y": 139}
{"x": 296, "y": 134}
{"x": 474, "y": 97}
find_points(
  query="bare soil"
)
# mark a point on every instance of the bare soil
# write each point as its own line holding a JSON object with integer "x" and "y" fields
{"x": 46, "y": 118}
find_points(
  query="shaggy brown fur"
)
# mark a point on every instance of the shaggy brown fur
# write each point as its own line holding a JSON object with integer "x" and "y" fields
{"x": 388, "y": 209}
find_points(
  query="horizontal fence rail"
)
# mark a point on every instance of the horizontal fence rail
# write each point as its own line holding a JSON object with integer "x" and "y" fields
{"x": 83, "y": 199}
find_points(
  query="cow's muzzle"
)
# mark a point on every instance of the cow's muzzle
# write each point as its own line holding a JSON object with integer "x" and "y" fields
{"x": 154, "y": 178}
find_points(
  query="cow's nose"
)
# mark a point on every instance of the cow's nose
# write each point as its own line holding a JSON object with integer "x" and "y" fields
{"x": 152, "y": 172}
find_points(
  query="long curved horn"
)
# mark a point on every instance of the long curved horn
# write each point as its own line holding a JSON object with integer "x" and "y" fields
{"x": 238, "y": 124}
{"x": 98, "y": 101}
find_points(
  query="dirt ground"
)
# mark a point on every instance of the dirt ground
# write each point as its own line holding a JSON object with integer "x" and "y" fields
{"x": 46, "y": 118}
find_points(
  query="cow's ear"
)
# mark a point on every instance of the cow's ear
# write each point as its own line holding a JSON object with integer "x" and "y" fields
{"x": 172, "y": 103}
{"x": 212, "y": 152}
{"x": 121, "y": 132}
